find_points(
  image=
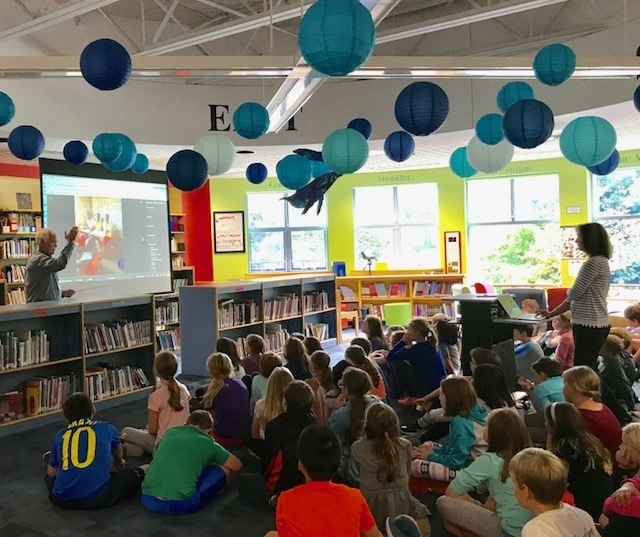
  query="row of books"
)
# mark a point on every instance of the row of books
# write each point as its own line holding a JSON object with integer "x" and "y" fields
{"x": 377, "y": 310}
{"x": 32, "y": 347}
{"x": 382, "y": 290}
{"x": 347, "y": 293}
{"x": 167, "y": 313}
{"x": 275, "y": 338}
{"x": 175, "y": 223}
{"x": 16, "y": 296}
{"x": 46, "y": 394}
{"x": 17, "y": 222}
{"x": 431, "y": 288}
{"x": 232, "y": 313}
{"x": 424, "y": 310}
{"x": 117, "y": 335}
{"x": 179, "y": 282}
{"x": 107, "y": 380}
{"x": 14, "y": 273}
{"x": 315, "y": 301}
{"x": 169, "y": 340}
{"x": 320, "y": 330}
{"x": 177, "y": 261}
{"x": 17, "y": 248}
{"x": 283, "y": 306}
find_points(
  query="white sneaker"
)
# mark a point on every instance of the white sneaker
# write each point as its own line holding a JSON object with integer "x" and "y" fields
{"x": 131, "y": 450}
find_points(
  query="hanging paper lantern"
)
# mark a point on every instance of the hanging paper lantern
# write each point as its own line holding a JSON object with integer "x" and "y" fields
{"x": 127, "y": 156}
{"x": 251, "y": 120}
{"x": 422, "y": 108}
{"x": 528, "y": 123}
{"x": 554, "y": 64}
{"x": 294, "y": 172}
{"x": 187, "y": 170}
{"x": 318, "y": 169}
{"x": 399, "y": 146}
{"x": 140, "y": 164}
{"x": 513, "y": 92}
{"x": 608, "y": 166}
{"x": 345, "y": 151}
{"x": 588, "y": 140}
{"x": 336, "y": 36}
{"x": 105, "y": 64}
{"x": 257, "y": 173}
{"x": 361, "y": 125}
{"x": 489, "y": 158}
{"x": 636, "y": 98}
{"x": 218, "y": 151}
{"x": 106, "y": 147}
{"x": 75, "y": 152}
{"x": 460, "y": 165}
{"x": 7, "y": 109}
{"x": 489, "y": 129}
{"x": 26, "y": 142}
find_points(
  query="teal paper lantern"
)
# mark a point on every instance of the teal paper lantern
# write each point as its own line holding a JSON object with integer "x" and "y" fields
{"x": 489, "y": 129}
{"x": 7, "y": 109}
{"x": 460, "y": 165}
{"x": 336, "y": 36}
{"x": 588, "y": 141}
{"x": 513, "y": 92}
{"x": 554, "y": 64}
{"x": 294, "y": 172}
{"x": 106, "y": 147}
{"x": 140, "y": 164}
{"x": 127, "y": 156}
{"x": 251, "y": 120}
{"x": 345, "y": 151}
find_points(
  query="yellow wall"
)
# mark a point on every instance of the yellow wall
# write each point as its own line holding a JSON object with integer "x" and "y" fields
{"x": 9, "y": 186}
{"x": 175, "y": 200}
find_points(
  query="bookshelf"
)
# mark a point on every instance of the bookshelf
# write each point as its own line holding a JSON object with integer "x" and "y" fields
{"x": 167, "y": 321}
{"x": 177, "y": 232}
{"x": 76, "y": 346}
{"x": 236, "y": 309}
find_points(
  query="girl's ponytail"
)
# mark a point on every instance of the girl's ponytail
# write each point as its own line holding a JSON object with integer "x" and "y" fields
{"x": 383, "y": 431}
{"x": 219, "y": 366}
{"x": 357, "y": 384}
{"x": 174, "y": 395}
{"x": 166, "y": 366}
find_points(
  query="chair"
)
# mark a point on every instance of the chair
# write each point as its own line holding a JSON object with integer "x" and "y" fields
{"x": 352, "y": 315}
{"x": 556, "y": 296}
{"x": 484, "y": 288}
{"x": 397, "y": 313}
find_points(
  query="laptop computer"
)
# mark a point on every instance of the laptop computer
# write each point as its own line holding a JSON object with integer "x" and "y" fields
{"x": 513, "y": 311}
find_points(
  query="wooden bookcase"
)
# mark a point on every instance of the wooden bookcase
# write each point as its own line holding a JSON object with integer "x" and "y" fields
{"x": 270, "y": 307}
{"x": 177, "y": 231}
{"x": 167, "y": 321}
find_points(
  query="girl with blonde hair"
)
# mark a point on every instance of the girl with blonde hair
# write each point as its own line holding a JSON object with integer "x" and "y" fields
{"x": 272, "y": 405}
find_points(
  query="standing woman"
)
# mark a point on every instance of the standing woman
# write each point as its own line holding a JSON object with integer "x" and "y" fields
{"x": 587, "y": 299}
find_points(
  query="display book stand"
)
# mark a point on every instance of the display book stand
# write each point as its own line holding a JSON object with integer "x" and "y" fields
{"x": 271, "y": 307}
{"x": 74, "y": 362}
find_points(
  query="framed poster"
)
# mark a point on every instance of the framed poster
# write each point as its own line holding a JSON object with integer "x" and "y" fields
{"x": 228, "y": 232}
{"x": 452, "y": 252}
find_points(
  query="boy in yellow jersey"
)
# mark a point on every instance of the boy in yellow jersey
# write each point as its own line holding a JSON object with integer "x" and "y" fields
{"x": 79, "y": 474}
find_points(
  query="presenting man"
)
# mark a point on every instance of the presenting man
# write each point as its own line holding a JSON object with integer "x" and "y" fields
{"x": 41, "y": 279}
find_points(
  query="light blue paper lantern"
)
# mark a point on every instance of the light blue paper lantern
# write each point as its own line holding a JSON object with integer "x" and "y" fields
{"x": 489, "y": 158}
{"x": 7, "y": 109}
{"x": 489, "y": 129}
{"x": 257, "y": 173}
{"x": 75, "y": 152}
{"x": 554, "y": 64}
{"x": 399, "y": 146}
{"x": 140, "y": 164}
{"x": 26, "y": 142}
{"x": 107, "y": 147}
{"x": 608, "y": 166}
{"x": 421, "y": 108}
{"x": 362, "y": 125}
{"x": 513, "y": 92}
{"x": 127, "y": 155}
{"x": 588, "y": 141}
{"x": 218, "y": 151}
{"x": 528, "y": 123}
{"x": 460, "y": 165}
{"x": 187, "y": 170}
{"x": 345, "y": 151}
{"x": 105, "y": 64}
{"x": 294, "y": 172}
{"x": 251, "y": 120}
{"x": 336, "y": 36}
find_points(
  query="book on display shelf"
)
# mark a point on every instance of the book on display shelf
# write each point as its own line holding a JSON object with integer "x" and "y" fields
{"x": 14, "y": 273}
{"x": 17, "y": 248}
{"x": 46, "y": 394}
{"x": 169, "y": 340}
{"x": 347, "y": 293}
{"x": 167, "y": 313}
{"x": 108, "y": 380}
{"x": 237, "y": 313}
{"x": 30, "y": 348}
{"x": 275, "y": 338}
{"x": 320, "y": 330}
{"x": 114, "y": 336}
{"x": 426, "y": 310}
{"x": 315, "y": 301}
{"x": 287, "y": 305}
{"x": 20, "y": 221}
{"x": 431, "y": 288}
{"x": 16, "y": 296}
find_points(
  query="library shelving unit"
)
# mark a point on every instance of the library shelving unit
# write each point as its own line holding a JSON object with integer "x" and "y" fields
{"x": 271, "y": 307}
{"x": 182, "y": 274}
{"x": 167, "y": 320}
{"x": 64, "y": 356}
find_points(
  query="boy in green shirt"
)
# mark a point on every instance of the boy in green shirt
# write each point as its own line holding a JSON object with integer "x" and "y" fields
{"x": 189, "y": 468}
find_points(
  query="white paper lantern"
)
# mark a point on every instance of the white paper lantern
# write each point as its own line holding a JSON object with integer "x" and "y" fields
{"x": 489, "y": 158}
{"x": 218, "y": 151}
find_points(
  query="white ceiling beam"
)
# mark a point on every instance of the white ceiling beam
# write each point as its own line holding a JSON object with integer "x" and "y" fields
{"x": 168, "y": 14}
{"x": 54, "y": 17}
{"x": 220, "y": 7}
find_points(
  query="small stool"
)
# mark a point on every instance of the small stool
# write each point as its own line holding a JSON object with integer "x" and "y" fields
{"x": 397, "y": 313}
{"x": 352, "y": 315}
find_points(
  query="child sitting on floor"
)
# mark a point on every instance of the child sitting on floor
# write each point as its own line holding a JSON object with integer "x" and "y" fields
{"x": 621, "y": 512}
{"x": 189, "y": 468}
{"x": 296, "y": 359}
{"x": 626, "y": 355}
{"x": 372, "y": 328}
{"x": 268, "y": 362}
{"x": 324, "y": 390}
{"x": 628, "y": 454}
{"x": 527, "y": 351}
{"x": 356, "y": 356}
{"x": 611, "y": 369}
{"x": 312, "y": 344}
{"x": 272, "y": 405}
{"x": 448, "y": 345}
{"x": 227, "y": 346}
{"x": 255, "y": 348}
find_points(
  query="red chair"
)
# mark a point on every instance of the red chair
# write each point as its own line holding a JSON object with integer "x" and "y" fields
{"x": 484, "y": 288}
{"x": 556, "y": 296}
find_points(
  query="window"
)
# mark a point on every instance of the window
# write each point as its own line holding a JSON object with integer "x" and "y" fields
{"x": 616, "y": 205}
{"x": 281, "y": 238}
{"x": 514, "y": 232}
{"x": 398, "y": 224}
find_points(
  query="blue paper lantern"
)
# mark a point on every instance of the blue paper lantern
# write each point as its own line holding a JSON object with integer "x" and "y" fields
{"x": 26, "y": 142}
{"x": 7, "y": 109}
{"x": 127, "y": 156}
{"x": 140, "y": 164}
{"x": 460, "y": 165}
{"x": 257, "y": 173}
{"x": 75, "y": 152}
{"x": 336, "y": 36}
{"x": 362, "y": 125}
{"x": 251, "y": 120}
{"x": 608, "y": 166}
{"x": 588, "y": 141}
{"x": 422, "y": 108}
{"x": 528, "y": 123}
{"x": 345, "y": 151}
{"x": 636, "y": 98}
{"x": 554, "y": 64}
{"x": 106, "y": 147}
{"x": 489, "y": 129}
{"x": 105, "y": 64}
{"x": 399, "y": 146}
{"x": 319, "y": 169}
{"x": 294, "y": 172}
{"x": 187, "y": 170}
{"x": 513, "y": 92}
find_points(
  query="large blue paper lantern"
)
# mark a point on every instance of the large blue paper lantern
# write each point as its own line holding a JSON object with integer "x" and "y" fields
{"x": 588, "y": 141}
{"x": 106, "y": 147}
{"x": 489, "y": 129}
{"x": 319, "y": 168}
{"x": 105, "y": 64}
{"x": 460, "y": 165}
{"x": 294, "y": 172}
{"x": 422, "y": 108}
{"x": 636, "y": 98}
{"x": 399, "y": 146}
{"x": 608, "y": 166}
{"x": 528, "y": 123}
{"x": 251, "y": 120}
{"x": 257, "y": 173}
{"x": 7, "y": 109}
{"x": 345, "y": 151}
{"x": 26, "y": 142}
{"x": 511, "y": 93}
{"x": 336, "y": 36}
{"x": 75, "y": 152}
{"x": 554, "y": 64}
{"x": 127, "y": 156}
{"x": 140, "y": 164}
{"x": 187, "y": 170}
{"x": 362, "y": 125}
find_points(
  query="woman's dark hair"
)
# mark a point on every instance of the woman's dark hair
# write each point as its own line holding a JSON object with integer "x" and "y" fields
{"x": 549, "y": 367}
{"x": 508, "y": 435}
{"x": 357, "y": 383}
{"x": 375, "y": 327}
{"x": 491, "y": 386}
{"x": 295, "y": 352}
{"x": 228, "y": 347}
{"x": 447, "y": 332}
{"x": 595, "y": 240}
{"x": 320, "y": 452}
